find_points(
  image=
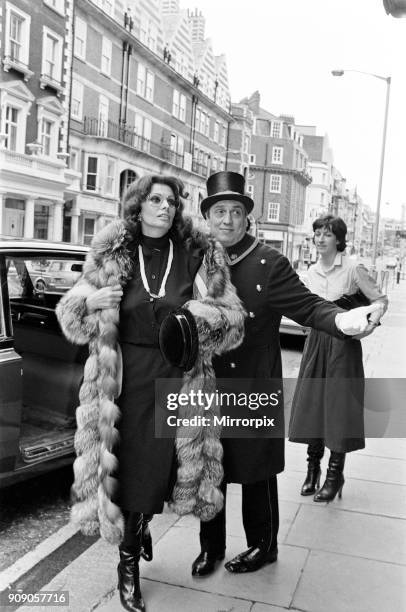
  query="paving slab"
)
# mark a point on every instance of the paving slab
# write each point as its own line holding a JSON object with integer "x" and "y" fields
{"x": 378, "y": 469}
{"x": 339, "y": 583}
{"x": 394, "y": 448}
{"x": 352, "y": 533}
{"x": 160, "y": 597}
{"x": 287, "y": 513}
{"x": 266, "y": 608}
{"x": 272, "y": 584}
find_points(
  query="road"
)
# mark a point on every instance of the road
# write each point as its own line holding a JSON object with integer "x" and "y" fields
{"x": 32, "y": 511}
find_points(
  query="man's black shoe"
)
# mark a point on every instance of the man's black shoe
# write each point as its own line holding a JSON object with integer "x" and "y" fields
{"x": 205, "y": 563}
{"x": 252, "y": 559}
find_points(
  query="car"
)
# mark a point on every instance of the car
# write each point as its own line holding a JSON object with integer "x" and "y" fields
{"x": 290, "y": 327}
{"x": 58, "y": 276}
{"x": 40, "y": 371}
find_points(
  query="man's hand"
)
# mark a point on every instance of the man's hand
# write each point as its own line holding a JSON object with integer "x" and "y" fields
{"x": 355, "y": 321}
{"x": 107, "y": 297}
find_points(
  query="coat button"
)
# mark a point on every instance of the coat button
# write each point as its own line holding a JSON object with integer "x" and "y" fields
{"x": 232, "y": 364}
{"x": 153, "y": 277}
{"x": 252, "y": 315}
{"x": 263, "y": 261}
{"x": 259, "y": 288}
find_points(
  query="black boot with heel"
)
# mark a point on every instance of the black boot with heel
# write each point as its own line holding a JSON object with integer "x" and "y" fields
{"x": 146, "y": 543}
{"x": 128, "y": 568}
{"x": 315, "y": 452}
{"x": 334, "y": 479}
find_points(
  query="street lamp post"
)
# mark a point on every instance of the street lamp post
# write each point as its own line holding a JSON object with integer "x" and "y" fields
{"x": 382, "y": 164}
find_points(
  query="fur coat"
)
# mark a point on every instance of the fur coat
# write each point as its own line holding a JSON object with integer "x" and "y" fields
{"x": 220, "y": 320}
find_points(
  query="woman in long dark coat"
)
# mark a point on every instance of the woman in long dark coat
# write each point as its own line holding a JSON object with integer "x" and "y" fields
{"x": 328, "y": 410}
{"x": 137, "y": 272}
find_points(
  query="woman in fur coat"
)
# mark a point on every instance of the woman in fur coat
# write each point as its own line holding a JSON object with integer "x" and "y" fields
{"x": 138, "y": 271}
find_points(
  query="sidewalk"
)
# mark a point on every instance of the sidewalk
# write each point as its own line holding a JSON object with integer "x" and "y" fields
{"x": 347, "y": 556}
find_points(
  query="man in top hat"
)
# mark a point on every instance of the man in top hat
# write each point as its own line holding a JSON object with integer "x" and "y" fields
{"x": 269, "y": 288}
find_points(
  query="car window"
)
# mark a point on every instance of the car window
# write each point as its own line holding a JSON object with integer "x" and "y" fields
{"x": 40, "y": 281}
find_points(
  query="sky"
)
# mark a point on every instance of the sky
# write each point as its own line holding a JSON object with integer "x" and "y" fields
{"x": 286, "y": 50}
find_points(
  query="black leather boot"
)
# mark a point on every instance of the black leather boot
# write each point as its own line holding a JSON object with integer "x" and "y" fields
{"x": 128, "y": 568}
{"x": 146, "y": 543}
{"x": 315, "y": 452}
{"x": 334, "y": 479}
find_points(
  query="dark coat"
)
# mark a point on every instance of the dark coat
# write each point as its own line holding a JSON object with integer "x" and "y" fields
{"x": 269, "y": 288}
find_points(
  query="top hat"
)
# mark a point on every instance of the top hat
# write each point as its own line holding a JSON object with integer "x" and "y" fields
{"x": 226, "y": 186}
{"x": 178, "y": 339}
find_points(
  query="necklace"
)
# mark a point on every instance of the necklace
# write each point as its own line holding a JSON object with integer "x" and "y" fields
{"x": 161, "y": 291}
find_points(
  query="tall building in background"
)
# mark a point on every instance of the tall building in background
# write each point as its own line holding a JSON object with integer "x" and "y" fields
{"x": 114, "y": 91}
{"x": 34, "y": 92}
{"x": 277, "y": 175}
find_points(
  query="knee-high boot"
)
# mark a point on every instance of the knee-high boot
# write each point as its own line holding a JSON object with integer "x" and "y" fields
{"x": 334, "y": 480}
{"x": 128, "y": 568}
{"x": 146, "y": 549}
{"x": 315, "y": 452}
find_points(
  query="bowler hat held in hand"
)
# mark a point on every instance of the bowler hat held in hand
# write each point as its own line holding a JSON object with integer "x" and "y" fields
{"x": 178, "y": 339}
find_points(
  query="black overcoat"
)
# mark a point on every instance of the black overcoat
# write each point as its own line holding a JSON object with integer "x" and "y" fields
{"x": 269, "y": 288}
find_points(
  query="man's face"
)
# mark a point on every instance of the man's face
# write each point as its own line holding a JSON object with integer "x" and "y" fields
{"x": 227, "y": 221}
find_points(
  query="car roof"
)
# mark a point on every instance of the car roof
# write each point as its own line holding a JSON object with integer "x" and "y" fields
{"x": 16, "y": 245}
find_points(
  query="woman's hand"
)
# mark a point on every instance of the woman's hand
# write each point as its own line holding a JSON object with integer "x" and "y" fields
{"x": 107, "y": 297}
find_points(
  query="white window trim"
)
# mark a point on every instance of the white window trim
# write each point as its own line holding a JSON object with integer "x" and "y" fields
{"x": 182, "y": 108}
{"x": 103, "y": 118}
{"x": 250, "y": 190}
{"x": 86, "y": 172}
{"x": 273, "y": 190}
{"x": 112, "y": 179}
{"x": 274, "y": 124}
{"x": 56, "y": 122}
{"x": 80, "y": 25}
{"x": 60, "y": 11}
{"x": 149, "y": 85}
{"x": 45, "y": 79}
{"x": 279, "y": 161}
{"x": 107, "y": 45}
{"x": 252, "y": 159}
{"x": 8, "y": 62}
{"x": 75, "y": 83}
{"x": 269, "y": 210}
{"x": 176, "y": 103}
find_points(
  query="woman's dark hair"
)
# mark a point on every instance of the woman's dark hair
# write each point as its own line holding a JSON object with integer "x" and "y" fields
{"x": 335, "y": 225}
{"x": 138, "y": 192}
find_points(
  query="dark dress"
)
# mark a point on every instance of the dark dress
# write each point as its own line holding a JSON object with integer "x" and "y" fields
{"x": 147, "y": 464}
{"x": 328, "y": 402}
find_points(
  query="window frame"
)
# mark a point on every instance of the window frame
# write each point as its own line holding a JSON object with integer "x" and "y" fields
{"x": 107, "y": 45}
{"x": 87, "y": 174}
{"x": 21, "y": 63}
{"x": 278, "y": 161}
{"x": 275, "y": 218}
{"x": 81, "y": 27}
{"x": 79, "y": 85}
{"x": 273, "y": 189}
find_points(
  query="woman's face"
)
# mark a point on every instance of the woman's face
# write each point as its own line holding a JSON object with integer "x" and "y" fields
{"x": 325, "y": 241}
{"x": 158, "y": 211}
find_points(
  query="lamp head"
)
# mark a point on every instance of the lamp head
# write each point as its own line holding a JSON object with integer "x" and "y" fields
{"x": 337, "y": 72}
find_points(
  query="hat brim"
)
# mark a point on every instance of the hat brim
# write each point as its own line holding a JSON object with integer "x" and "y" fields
{"x": 179, "y": 340}
{"x": 206, "y": 203}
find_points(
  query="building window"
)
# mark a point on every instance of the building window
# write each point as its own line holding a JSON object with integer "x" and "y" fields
{"x": 175, "y": 103}
{"x": 250, "y": 189}
{"x": 207, "y": 126}
{"x": 46, "y": 137}
{"x": 223, "y": 135}
{"x": 41, "y": 221}
{"x": 103, "y": 116}
{"x": 80, "y": 38}
{"x": 277, "y": 155}
{"x": 51, "y": 55}
{"x": 216, "y": 133}
{"x": 145, "y": 83}
{"x": 252, "y": 158}
{"x": 182, "y": 107}
{"x": 276, "y": 129}
{"x": 273, "y": 211}
{"x": 177, "y": 144}
{"x": 246, "y": 144}
{"x": 17, "y": 42}
{"x": 88, "y": 229}
{"x": 11, "y": 125}
{"x": 74, "y": 159}
{"x": 77, "y": 100}
{"x": 275, "y": 183}
{"x": 322, "y": 198}
{"x": 91, "y": 174}
{"x": 143, "y": 130}
{"x": 111, "y": 176}
{"x": 106, "y": 56}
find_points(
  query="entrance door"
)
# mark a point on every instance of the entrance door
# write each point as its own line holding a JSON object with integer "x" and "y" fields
{"x": 14, "y": 222}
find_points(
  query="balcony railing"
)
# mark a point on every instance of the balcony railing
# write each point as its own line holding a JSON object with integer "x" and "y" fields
{"x": 127, "y": 134}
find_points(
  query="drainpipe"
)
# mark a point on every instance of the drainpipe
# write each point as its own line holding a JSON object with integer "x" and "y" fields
{"x": 122, "y": 84}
